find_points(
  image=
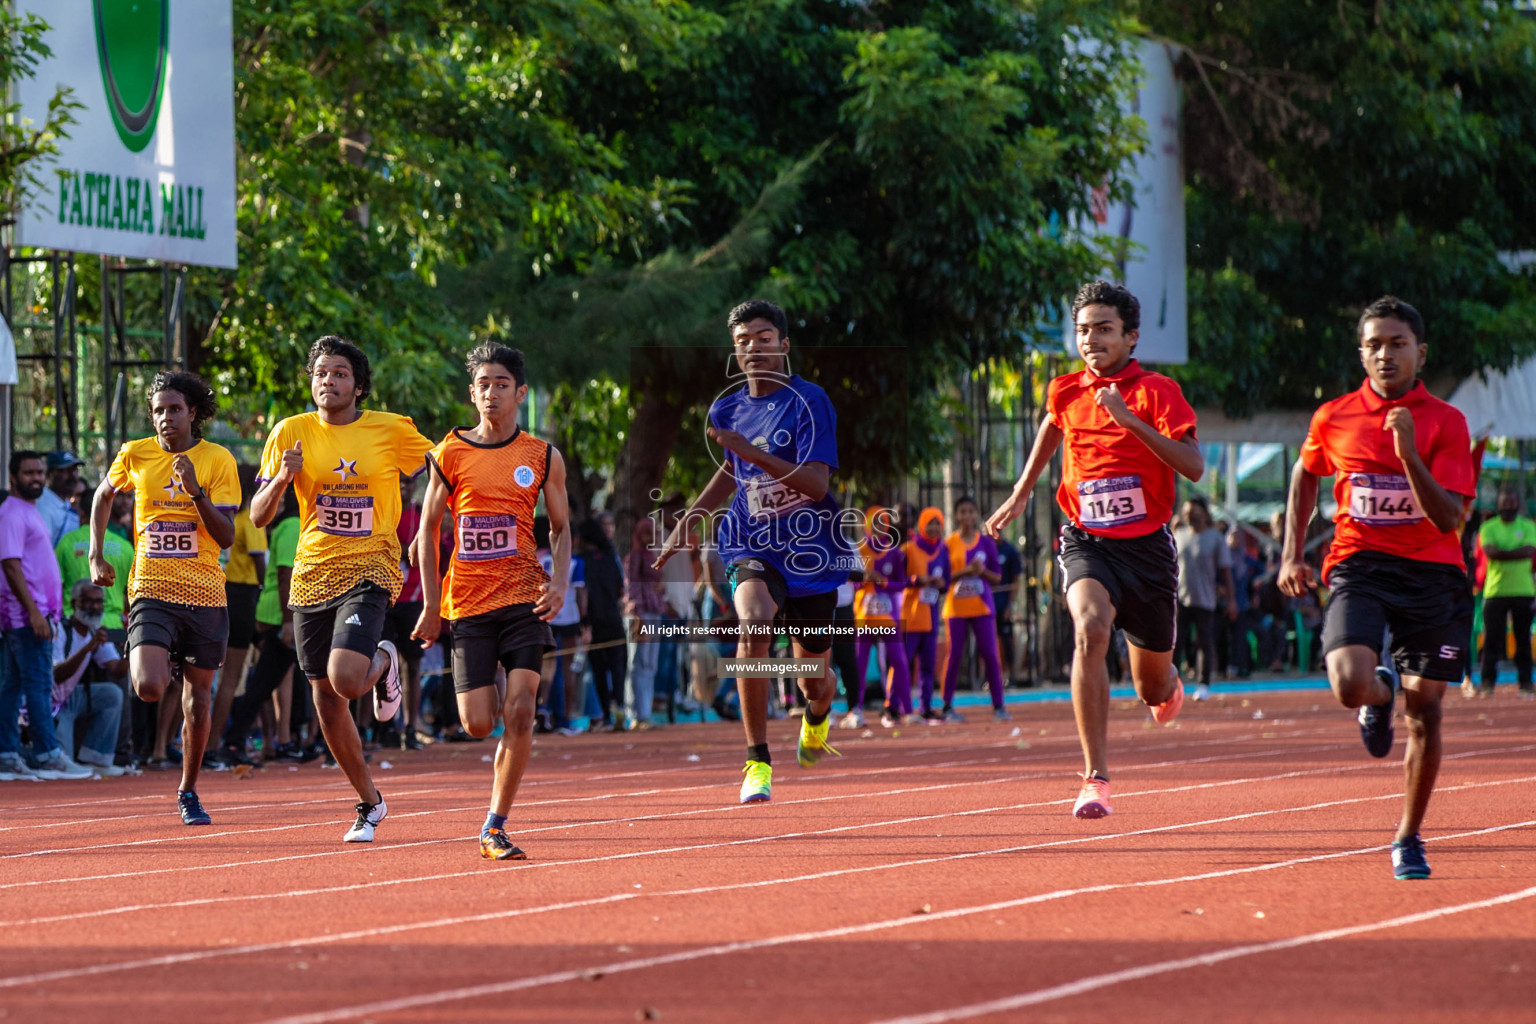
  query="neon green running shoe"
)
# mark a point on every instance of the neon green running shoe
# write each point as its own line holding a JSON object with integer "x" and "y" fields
{"x": 757, "y": 787}
{"x": 813, "y": 742}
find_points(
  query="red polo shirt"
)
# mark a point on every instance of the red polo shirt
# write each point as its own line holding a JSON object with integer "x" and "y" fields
{"x": 1112, "y": 484}
{"x": 1377, "y": 510}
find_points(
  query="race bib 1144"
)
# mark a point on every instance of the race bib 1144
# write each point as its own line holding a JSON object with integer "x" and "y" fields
{"x": 1115, "y": 501}
{"x": 1382, "y": 499}
{"x": 484, "y": 538}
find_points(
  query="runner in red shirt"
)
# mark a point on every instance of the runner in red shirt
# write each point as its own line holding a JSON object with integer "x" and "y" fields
{"x": 1127, "y": 431}
{"x": 1403, "y": 467}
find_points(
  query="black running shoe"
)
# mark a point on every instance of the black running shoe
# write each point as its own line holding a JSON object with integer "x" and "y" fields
{"x": 1376, "y": 719}
{"x": 1408, "y": 859}
{"x": 192, "y": 812}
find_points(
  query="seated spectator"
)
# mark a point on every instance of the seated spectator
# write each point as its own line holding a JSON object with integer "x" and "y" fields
{"x": 80, "y": 642}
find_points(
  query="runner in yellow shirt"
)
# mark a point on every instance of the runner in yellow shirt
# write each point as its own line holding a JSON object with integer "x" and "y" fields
{"x": 344, "y": 463}
{"x": 186, "y": 491}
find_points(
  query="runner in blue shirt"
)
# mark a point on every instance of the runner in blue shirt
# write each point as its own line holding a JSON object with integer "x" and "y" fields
{"x": 781, "y": 538}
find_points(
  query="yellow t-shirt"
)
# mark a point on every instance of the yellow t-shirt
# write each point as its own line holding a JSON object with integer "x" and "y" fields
{"x": 249, "y": 539}
{"x": 175, "y": 559}
{"x": 349, "y": 499}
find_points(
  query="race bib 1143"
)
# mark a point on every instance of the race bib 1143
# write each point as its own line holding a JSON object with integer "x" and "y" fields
{"x": 1382, "y": 499}
{"x": 1115, "y": 501}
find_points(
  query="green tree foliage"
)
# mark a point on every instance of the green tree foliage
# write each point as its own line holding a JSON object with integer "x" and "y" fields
{"x": 894, "y": 174}
{"x": 1338, "y": 150}
{"x": 26, "y": 147}
{"x": 382, "y": 142}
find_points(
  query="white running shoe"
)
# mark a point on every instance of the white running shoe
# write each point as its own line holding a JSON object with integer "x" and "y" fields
{"x": 57, "y": 765}
{"x": 1202, "y": 692}
{"x": 14, "y": 768}
{"x": 386, "y": 692}
{"x": 368, "y": 818}
{"x": 852, "y": 720}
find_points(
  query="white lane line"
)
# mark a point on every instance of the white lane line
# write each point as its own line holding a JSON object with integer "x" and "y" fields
{"x": 497, "y": 915}
{"x": 1097, "y": 981}
{"x": 910, "y": 920}
{"x": 338, "y": 780}
{"x": 534, "y": 865}
{"x": 725, "y": 808}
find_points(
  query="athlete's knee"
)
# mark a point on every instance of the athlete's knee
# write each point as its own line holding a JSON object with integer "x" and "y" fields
{"x": 1091, "y": 632}
{"x": 478, "y": 721}
{"x": 150, "y": 686}
{"x": 519, "y": 714}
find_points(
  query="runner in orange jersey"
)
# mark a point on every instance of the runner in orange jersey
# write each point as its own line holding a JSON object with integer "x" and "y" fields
{"x": 497, "y": 596}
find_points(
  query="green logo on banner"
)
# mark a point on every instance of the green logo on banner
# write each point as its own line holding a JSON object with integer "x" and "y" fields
{"x": 132, "y": 37}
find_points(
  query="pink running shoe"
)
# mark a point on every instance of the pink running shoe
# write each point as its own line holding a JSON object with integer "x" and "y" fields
{"x": 1093, "y": 800}
{"x": 1169, "y": 709}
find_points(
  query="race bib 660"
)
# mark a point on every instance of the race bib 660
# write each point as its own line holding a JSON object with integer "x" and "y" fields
{"x": 484, "y": 538}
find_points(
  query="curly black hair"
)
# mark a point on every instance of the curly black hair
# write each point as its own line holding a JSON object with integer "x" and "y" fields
{"x": 334, "y": 345}
{"x": 1103, "y": 293}
{"x": 199, "y": 396}
{"x": 510, "y": 358}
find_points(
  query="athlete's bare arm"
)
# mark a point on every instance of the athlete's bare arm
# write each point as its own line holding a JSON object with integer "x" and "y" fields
{"x": 1047, "y": 440}
{"x": 269, "y": 498}
{"x": 1296, "y": 576}
{"x": 430, "y": 623}
{"x": 721, "y": 486}
{"x": 1441, "y": 506}
{"x": 220, "y": 527}
{"x": 552, "y": 595}
{"x": 102, "y": 573}
{"x": 811, "y": 479}
{"x": 1183, "y": 455}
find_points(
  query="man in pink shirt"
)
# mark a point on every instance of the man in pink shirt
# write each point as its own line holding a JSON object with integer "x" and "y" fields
{"x": 31, "y": 605}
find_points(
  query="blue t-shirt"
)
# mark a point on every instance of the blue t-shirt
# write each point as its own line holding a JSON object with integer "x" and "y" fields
{"x": 769, "y": 521}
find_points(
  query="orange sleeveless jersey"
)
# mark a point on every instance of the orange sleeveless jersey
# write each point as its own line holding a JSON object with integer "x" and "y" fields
{"x": 493, "y": 491}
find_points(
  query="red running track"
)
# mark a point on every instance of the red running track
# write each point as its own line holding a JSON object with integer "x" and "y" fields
{"x": 931, "y": 874}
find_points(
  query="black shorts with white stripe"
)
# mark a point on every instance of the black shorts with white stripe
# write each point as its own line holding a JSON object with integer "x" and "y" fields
{"x": 1140, "y": 573}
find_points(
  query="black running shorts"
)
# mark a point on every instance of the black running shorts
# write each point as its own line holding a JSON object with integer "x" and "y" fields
{"x": 811, "y": 615}
{"x": 1140, "y": 573}
{"x": 193, "y": 635}
{"x": 1427, "y": 605}
{"x": 241, "y": 599}
{"x": 512, "y": 635}
{"x": 352, "y": 622}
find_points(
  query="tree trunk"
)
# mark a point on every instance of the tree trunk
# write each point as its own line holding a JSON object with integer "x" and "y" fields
{"x": 643, "y": 463}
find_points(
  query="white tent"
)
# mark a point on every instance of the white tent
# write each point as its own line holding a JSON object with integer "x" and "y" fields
{"x": 1503, "y": 405}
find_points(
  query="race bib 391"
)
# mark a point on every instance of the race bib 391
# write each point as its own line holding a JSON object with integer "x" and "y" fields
{"x": 344, "y": 516}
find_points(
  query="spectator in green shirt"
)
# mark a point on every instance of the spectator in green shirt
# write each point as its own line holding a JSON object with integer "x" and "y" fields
{"x": 73, "y": 552}
{"x": 1509, "y": 543}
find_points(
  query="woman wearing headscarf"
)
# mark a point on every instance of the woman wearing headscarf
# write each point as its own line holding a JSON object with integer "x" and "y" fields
{"x": 927, "y": 580}
{"x": 877, "y": 607}
{"x": 974, "y": 569}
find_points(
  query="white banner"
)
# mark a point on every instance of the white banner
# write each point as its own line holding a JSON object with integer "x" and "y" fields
{"x": 1153, "y": 221}
{"x": 150, "y": 74}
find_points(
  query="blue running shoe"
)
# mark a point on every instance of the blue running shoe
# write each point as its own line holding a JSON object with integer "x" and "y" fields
{"x": 191, "y": 808}
{"x": 1376, "y": 719}
{"x": 1408, "y": 859}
